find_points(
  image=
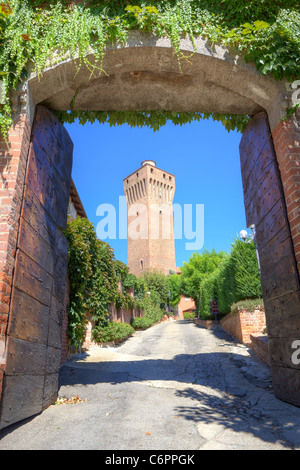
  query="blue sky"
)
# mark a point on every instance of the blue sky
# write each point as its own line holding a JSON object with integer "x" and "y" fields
{"x": 203, "y": 156}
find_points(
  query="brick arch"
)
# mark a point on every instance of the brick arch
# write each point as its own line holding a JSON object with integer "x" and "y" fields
{"x": 143, "y": 75}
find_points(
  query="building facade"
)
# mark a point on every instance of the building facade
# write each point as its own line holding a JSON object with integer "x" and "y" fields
{"x": 149, "y": 193}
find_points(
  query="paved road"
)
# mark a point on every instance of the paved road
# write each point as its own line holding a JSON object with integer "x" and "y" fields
{"x": 174, "y": 386}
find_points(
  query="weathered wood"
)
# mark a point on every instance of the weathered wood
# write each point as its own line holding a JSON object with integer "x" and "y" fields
{"x": 32, "y": 279}
{"x": 23, "y": 397}
{"x": 263, "y": 200}
{"x": 50, "y": 391}
{"x": 48, "y": 186}
{"x": 283, "y": 317}
{"x": 36, "y": 247}
{"x": 255, "y": 139}
{"x": 53, "y": 359}
{"x": 286, "y": 384}
{"x": 25, "y": 357}
{"x": 28, "y": 318}
{"x": 57, "y": 310}
{"x": 55, "y": 141}
{"x": 39, "y": 284}
{"x": 273, "y": 226}
{"x": 265, "y": 207}
{"x": 36, "y": 215}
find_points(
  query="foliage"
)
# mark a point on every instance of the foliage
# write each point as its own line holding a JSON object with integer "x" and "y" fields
{"x": 113, "y": 331}
{"x": 189, "y": 315}
{"x": 93, "y": 281}
{"x": 208, "y": 292}
{"x": 197, "y": 269}
{"x": 249, "y": 305}
{"x": 141, "y": 323}
{"x": 157, "y": 284}
{"x": 36, "y": 33}
{"x": 236, "y": 279}
{"x": 151, "y": 309}
{"x": 175, "y": 289}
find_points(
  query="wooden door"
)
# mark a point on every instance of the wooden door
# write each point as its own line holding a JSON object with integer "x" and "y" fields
{"x": 38, "y": 295}
{"x": 265, "y": 207}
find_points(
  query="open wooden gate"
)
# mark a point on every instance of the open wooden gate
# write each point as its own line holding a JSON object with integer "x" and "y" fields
{"x": 38, "y": 295}
{"x": 265, "y": 207}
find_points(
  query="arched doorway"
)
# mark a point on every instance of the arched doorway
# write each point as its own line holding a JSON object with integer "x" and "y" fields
{"x": 142, "y": 75}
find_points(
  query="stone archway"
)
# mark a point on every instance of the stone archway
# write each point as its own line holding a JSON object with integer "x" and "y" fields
{"x": 142, "y": 75}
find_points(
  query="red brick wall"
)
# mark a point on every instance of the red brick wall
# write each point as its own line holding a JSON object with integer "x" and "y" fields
{"x": 13, "y": 160}
{"x": 241, "y": 324}
{"x": 286, "y": 138}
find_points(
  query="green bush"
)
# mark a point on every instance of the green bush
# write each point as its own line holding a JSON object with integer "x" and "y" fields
{"x": 114, "y": 331}
{"x": 249, "y": 305}
{"x": 141, "y": 323}
{"x": 189, "y": 315}
{"x": 236, "y": 279}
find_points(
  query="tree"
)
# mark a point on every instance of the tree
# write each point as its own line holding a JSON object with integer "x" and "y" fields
{"x": 197, "y": 269}
{"x": 175, "y": 289}
{"x": 157, "y": 284}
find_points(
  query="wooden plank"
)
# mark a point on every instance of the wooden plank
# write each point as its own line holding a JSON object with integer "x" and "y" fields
{"x": 253, "y": 178}
{"x": 282, "y": 315}
{"x": 22, "y": 397}
{"x": 54, "y": 139}
{"x": 264, "y": 199}
{"x": 53, "y": 359}
{"x": 36, "y": 215}
{"x": 32, "y": 279}
{"x": 29, "y": 318}
{"x": 54, "y": 334}
{"x": 33, "y": 245}
{"x": 48, "y": 186}
{"x": 272, "y": 227}
{"x": 255, "y": 139}
{"x": 60, "y": 278}
{"x": 25, "y": 357}
{"x": 57, "y": 310}
{"x": 50, "y": 390}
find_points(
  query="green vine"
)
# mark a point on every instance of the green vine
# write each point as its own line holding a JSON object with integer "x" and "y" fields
{"x": 37, "y": 33}
{"x": 94, "y": 276}
{"x": 93, "y": 281}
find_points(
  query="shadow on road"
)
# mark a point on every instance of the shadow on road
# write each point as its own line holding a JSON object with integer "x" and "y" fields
{"x": 221, "y": 388}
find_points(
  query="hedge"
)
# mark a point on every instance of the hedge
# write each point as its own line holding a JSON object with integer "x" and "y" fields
{"x": 114, "y": 331}
{"x": 237, "y": 279}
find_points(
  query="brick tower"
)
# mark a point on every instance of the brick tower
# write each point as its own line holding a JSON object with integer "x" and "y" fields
{"x": 149, "y": 192}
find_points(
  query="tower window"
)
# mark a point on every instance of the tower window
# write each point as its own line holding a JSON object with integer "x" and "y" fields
{"x": 170, "y": 179}
{"x": 137, "y": 175}
{"x": 142, "y": 264}
{"x": 151, "y": 170}
{"x": 164, "y": 175}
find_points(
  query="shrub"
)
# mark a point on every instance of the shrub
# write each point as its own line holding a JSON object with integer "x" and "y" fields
{"x": 236, "y": 279}
{"x": 249, "y": 305}
{"x": 189, "y": 315}
{"x": 141, "y": 323}
{"x": 114, "y": 331}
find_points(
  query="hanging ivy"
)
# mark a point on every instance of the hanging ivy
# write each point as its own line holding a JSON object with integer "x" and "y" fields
{"x": 37, "y": 33}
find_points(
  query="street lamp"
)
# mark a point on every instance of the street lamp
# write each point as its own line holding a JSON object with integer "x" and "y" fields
{"x": 244, "y": 235}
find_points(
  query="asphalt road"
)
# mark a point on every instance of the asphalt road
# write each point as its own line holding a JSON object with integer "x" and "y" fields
{"x": 174, "y": 386}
